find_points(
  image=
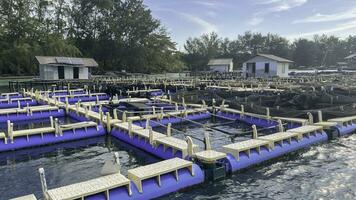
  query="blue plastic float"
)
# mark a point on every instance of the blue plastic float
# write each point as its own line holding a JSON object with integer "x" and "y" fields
{"x": 15, "y": 117}
{"x": 251, "y": 120}
{"x": 174, "y": 120}
{"x": 30, "y": 140}
{"x": 15, "y": 104}
{"x": 144, "y": 144}
{"x": 152, "y": 190}
{"x": 265, "y": 154}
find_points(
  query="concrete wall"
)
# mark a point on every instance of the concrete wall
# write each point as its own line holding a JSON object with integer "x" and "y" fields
{"x": 48, "y": 72}
{"x": 68, "y": 72}
{"x": 283, "y": 69}
{"x": 83, "y": 73}
{"x": 222, "y": 68}
{"x": 275, "y": 68}
{"x": 219, "y": 68}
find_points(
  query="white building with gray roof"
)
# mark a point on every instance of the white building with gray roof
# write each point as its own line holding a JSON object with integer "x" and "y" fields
{"x": 221, "y": 65}
{"x": 55, "y": 68}
{"x": 266, "y": 65}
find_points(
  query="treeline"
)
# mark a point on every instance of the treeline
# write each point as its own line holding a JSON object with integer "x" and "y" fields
{"x": 119, "y": 34}
{"x": 123, "y": 35}
{"x": 322, "y": 50}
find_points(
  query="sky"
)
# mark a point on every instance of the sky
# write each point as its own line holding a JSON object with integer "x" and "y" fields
{"x": 289, "y": 18}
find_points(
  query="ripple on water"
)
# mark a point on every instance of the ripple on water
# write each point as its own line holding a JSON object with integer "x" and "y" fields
{"x": 325, "y": 171}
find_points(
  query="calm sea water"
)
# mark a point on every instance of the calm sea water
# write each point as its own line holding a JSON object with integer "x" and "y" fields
{"x": 326, "y": 171}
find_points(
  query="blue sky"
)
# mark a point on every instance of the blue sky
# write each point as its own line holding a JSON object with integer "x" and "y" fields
{"x": 289, "y": 18}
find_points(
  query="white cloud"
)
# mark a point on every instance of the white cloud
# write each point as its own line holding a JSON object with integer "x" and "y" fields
{"x": 255, "y": 21}
{"x": 344, "y": 15}
{"x": 337, "y": 29}
{"x": 207, "y": 3}
{"x": 280, "y": 5}
{"x": 273, "y": 6}
{"x": 206, "y": 26}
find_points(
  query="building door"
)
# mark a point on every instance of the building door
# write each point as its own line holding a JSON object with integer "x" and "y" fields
{"x": 253, "y": 68}
{"x": 76, "y": 72}
{"x": 60, "y": 72}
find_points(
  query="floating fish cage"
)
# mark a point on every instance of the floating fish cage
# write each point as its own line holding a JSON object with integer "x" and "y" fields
{"x": 193, "y": 142}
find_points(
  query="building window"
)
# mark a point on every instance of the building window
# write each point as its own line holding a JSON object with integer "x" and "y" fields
{"x": 266, "y": 68}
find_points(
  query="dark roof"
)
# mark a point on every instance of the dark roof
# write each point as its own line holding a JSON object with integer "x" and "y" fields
{"x": 273, "y": 57}
{"x": 351, "y": 56}
{"x": 221, "y": 61}
{"x": 79, "y": 62}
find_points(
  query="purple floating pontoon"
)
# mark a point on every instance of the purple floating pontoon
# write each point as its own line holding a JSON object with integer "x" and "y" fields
{"x": 174, "y": 120}
{"x": 259, "y": 122}
{"x": 346, "y": 129}
{"x": 50, "y": 138}
{"x": 152, "y": 190}
{"x": 14, "y": 104}
{"x": 74, "y": 100}
{"x": 145, "y": 145}
{"x": 265, "y": 154}
{"x": 15, "y": 117}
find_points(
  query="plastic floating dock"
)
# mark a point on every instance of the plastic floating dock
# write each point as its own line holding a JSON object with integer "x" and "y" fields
{"x": 30, "y": 113}
{"x": 246, "y": 153}
{"x": 19, "y": 139}
{"x": 146, "y": 182}
{"x": 345, "y": 125}
{"x": 176, "y": 171}
{"x": 156, "y": 143}
{"x": 17, "y": 102}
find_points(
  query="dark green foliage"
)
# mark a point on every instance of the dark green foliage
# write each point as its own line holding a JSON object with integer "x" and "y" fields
{"x": 119, "y": 34}
{"x": 321, "y": 51}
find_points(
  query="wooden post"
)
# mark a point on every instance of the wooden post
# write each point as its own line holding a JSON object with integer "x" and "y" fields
{"x": 10, "y": 131}
{"x": 254, "y": 132}
{"x": 117, "y": 161}
{"x": 56, "y": 126}
{"x": 207, "y": 141}
{"x": 77, "y": 108}
{"x": 162, "y": 113}
{"x": 190, "y": 146}
{"x": 169, "y": 130}
{"x": 280, "y": 126}
{"x": 115, "y": 113}
{"x": 124, "y": 116}
{"x": 43, "y": 183}
{"x": 51, "y": 120}
{"x": 153, "y": 110}
{"x": 67, "y": 104}
{"x": 320, "y": 116}
{"x": 150, "y": 135}
{"x": 310, "y": 116}
{"x": 108, "y": 122}
{"x": 147, "y": 123}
